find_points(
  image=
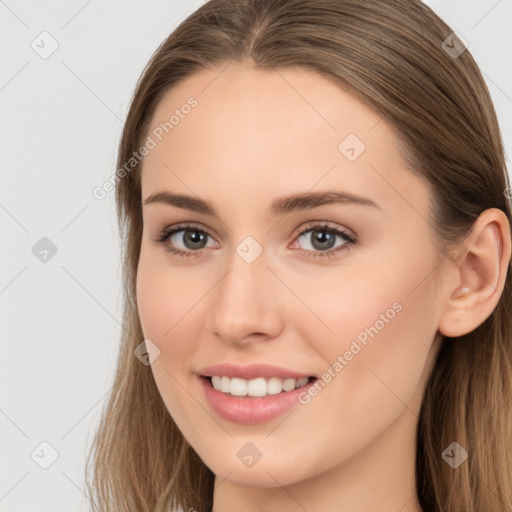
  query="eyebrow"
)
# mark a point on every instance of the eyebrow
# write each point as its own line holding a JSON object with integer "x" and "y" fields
{"x": 280, "y": 206}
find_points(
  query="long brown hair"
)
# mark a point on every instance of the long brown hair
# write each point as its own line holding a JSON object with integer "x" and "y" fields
{"x": 394, "y": 55}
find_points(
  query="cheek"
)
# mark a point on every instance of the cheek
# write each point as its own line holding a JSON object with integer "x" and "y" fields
{"x": 381, "y": 318}
{"x": 164, "y": 294}
{"x": 376, "y": 358}
{"x": 152, "y": 302}
{"x": 343, "y": 305}
{"x": 386, "y": 302}
{"x": 162, "y": 305}
{"x": 170, "y": 310}
{"x": 384, "y": 326}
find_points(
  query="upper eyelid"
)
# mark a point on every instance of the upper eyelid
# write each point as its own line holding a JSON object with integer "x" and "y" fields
{"x": 305, "y": 226}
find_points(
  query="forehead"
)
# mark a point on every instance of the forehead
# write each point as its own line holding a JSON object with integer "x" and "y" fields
{"x": 254, "y": 131}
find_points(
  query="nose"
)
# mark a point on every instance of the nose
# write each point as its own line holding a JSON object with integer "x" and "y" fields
{"x": 246, "y": 305}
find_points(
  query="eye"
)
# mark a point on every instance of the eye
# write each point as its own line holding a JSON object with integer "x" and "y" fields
{"x": 192, "y": 236}
{"x": 322, "y": 238}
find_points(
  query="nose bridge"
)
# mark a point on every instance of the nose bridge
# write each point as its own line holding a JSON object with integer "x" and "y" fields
{"x": 244, "y": 300}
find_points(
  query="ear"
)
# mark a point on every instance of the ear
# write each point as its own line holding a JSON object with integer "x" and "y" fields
{"x": 480, "y": 264}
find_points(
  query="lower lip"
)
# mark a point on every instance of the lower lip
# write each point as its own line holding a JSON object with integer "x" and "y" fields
{"x": 249, "y": 411}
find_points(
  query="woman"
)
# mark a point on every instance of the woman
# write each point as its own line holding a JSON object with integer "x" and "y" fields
{"x": 313, "y": 200}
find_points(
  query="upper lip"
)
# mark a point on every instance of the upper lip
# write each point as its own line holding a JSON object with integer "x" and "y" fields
{"x": 251, "y": 371}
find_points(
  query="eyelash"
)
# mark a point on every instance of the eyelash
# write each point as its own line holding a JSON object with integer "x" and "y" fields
{"x": 350, "y": 240}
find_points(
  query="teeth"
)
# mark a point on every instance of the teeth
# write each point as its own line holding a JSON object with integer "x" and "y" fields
{"x": 225, "y": 384}
{"x": 256, "y": 387}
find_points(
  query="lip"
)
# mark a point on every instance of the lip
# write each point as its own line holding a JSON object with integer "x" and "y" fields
{"x": 251, "y": 371}
{"x": 250, "y": 411}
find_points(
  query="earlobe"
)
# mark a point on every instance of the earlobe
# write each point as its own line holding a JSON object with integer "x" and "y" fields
{"x": 481, "y": 273}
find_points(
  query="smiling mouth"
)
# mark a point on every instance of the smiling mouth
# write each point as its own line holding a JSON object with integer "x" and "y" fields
{"x": 258, "y": 387}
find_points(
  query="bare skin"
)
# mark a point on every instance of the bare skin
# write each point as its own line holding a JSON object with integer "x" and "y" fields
{"x": 255, "y": 136}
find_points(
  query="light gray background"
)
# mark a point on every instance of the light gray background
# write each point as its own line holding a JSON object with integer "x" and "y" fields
{"x": 60, "y": 126}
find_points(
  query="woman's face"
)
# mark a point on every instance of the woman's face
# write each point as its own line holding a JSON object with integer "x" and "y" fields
{"x": 343, "y": 291}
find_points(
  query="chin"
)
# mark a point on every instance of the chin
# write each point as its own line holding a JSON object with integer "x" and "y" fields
{"x": 268, "y": 471}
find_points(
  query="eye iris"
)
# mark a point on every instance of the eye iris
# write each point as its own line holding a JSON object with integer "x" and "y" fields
{"x": 194, "y": 237}
{"x": 321, "y": 236}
